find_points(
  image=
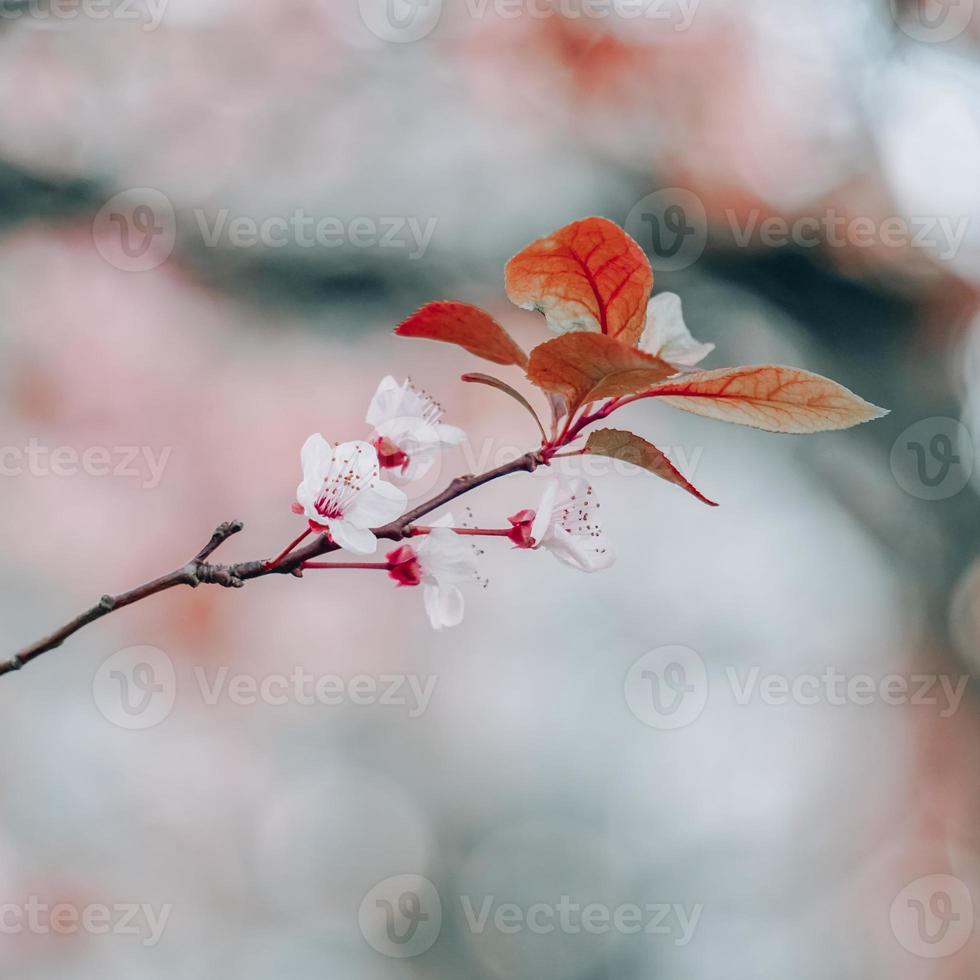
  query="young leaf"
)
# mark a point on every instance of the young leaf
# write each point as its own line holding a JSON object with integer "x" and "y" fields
{"x": 630, "y": 448}
{"x": 465, "y": 325}
{"x": 585, "y": 367}
{"x": 589, "y": 275}
{"x": 492, "y": 382}
{"x": 777, "y": 399}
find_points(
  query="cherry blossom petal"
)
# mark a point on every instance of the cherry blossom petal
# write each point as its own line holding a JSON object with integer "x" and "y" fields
{"x": 450, "y": 435}
{"x": 444, "y": 604}
{"x": 358, "y": 540}
{"x": 377, "y": 505}
{"x": 390, "y": 402}
{"x": 317, "y": 458}
{"x": 587, "y": 554}
{"x": 542, "y": 520}
{"x": 446, "y": 558}
{"x": 666, "y": 334}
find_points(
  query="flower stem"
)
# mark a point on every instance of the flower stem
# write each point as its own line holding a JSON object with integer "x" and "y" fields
{"x": 475, "y": 531}
{"x": 289, "y": 548}
{"x": 376, "y": 566}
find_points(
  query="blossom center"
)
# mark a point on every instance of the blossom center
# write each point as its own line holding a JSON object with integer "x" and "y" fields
{"x": 340, "y": 489}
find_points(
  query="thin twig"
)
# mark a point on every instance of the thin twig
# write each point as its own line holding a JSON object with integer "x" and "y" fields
{"x": 198, "y": 571}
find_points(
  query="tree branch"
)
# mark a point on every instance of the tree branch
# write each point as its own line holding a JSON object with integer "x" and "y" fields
{"x": 199, "y": 571}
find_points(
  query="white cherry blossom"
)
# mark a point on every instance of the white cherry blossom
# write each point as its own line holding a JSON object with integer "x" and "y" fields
{"x": 343, "y": 494}
{"x": 440, "y": 562}
{"x": 407, "y": 431}
{"x": 566, "y": 524}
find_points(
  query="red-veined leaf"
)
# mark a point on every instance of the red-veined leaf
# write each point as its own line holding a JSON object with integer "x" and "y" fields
{"x": 630, "y": 448}
{"x": 777, "y": 399}
{"x": 589, "y": 275}
{"x": 465, "y": 325}
{"x": 585, "y": 367}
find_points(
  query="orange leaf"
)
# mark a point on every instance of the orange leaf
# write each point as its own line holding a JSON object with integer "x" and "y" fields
{"x": 778, "y": 399}
{"x": 589, "y": 275}
{"x": 585, "y": 367}
{"x": 465, "y": 325}
{"x": 630, "y": 448}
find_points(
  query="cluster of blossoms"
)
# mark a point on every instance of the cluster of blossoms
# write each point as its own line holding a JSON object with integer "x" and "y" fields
{"x": 616, "y": 344}
{"x": 353, "y": 487}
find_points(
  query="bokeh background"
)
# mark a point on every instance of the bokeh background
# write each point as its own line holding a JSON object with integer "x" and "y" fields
{"x": 819, "y": 837}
